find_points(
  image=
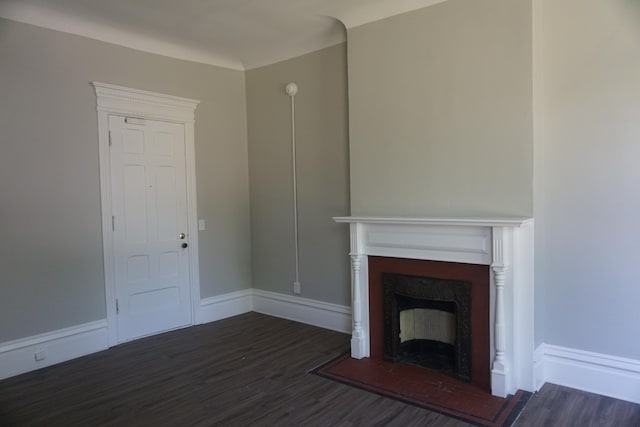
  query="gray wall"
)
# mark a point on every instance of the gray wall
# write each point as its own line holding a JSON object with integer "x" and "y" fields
{"x": 51, "y": 252}
{"x": 587, "y": 173}
{"x": 455, "y": 106}
{"x": 441, "y": 111}
{"x": 323, "y": 175}
{"x": 441, "y": 117}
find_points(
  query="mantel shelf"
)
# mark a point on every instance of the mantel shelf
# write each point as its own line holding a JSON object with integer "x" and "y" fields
{"x": 475, "y": 222}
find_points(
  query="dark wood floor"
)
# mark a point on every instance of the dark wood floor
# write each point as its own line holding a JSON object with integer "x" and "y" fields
{"x": 249, "y": 370}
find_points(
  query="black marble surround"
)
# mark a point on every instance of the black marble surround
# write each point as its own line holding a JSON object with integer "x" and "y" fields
{"x": 402, "y": 292}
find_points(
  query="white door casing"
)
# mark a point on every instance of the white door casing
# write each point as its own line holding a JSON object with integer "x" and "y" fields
{"x": 177, "y": 115}
{"x": 149, "y": 223}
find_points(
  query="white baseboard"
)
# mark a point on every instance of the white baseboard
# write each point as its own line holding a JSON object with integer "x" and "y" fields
{"x": 603, "y": 374}
{"x": 611, "y": 376}
{"x": 539, "y": 374}
{"x": 317, "y": 313}
{"x": 19, "y": 356}
{"x": 223, "y": 306}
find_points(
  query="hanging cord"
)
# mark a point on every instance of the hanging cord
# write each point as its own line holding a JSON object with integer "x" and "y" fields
{"x": 291, "y": 90}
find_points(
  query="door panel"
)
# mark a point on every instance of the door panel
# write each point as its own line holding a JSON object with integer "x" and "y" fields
{"x": 150, "y": 211}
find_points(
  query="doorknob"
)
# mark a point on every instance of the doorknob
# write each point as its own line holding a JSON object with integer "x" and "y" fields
{"x": 182, "y": 236}
{"x": 184, "y": 245}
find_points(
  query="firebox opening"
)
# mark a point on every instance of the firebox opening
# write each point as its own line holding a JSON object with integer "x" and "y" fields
{"x": 428, "y": 336}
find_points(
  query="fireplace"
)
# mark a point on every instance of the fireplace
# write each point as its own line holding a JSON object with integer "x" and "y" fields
{"x": 501, "y": 309}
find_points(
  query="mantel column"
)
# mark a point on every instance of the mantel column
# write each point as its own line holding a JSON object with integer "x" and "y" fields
{"x": 359, "y": 295}
{"x": 500, "y": 366}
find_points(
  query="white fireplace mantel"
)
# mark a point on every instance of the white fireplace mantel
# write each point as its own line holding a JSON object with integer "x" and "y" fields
{"x": 504, "y": 244}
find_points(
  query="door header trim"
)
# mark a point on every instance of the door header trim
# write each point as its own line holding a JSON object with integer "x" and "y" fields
{"x": 141, "y": 103}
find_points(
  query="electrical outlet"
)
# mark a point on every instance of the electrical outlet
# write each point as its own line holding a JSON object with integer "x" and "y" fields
{"x": 39, "y": 355}
{"x": 296, "y": 287}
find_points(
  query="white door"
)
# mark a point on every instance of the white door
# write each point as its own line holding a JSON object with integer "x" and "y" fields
{"x": 149, "y": 202}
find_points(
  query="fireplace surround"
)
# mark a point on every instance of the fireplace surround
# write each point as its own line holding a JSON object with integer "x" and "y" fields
{"x": 505, "y": 245}
{"x": 476, "y": 275}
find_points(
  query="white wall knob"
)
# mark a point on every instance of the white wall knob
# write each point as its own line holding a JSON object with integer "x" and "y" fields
{"x": 291, "y": 89}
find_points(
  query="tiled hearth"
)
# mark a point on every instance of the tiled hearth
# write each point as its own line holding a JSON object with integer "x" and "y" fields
{"x": 505, "y": 245}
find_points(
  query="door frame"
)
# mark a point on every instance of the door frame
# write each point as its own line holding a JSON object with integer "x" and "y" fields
{"x": 128, "y": 102}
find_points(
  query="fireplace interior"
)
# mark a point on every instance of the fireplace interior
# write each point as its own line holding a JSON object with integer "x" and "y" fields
{"x": 427, "y": 339}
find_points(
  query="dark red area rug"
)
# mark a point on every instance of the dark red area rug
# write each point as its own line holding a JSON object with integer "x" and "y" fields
{"x": 427, "y": 389}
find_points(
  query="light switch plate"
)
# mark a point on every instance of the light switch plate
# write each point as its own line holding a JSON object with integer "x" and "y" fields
{"x": 201, "y": 224}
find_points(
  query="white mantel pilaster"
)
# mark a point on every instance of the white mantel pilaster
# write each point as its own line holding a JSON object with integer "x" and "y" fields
{"x": 504, "y": 244}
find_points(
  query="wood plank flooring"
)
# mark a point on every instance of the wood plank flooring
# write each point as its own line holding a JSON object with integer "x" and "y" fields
{"x": 249, "y": 370}
{"x": 554, "y": 405}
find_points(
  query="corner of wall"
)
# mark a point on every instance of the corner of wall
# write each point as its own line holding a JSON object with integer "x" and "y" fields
{"x": 539, "y": 376}
{"x": 223, "y": 306}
